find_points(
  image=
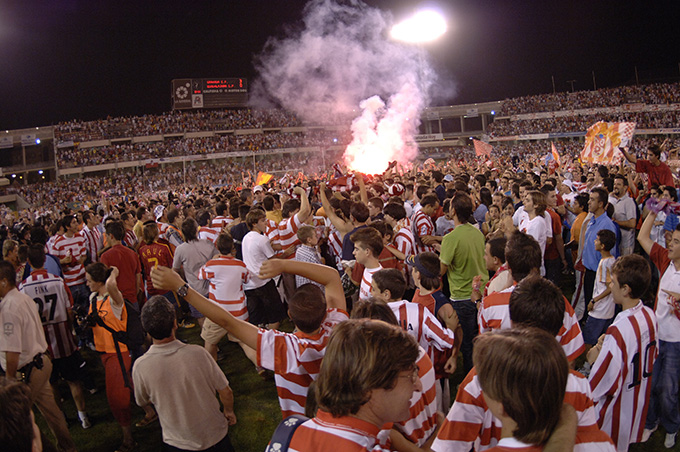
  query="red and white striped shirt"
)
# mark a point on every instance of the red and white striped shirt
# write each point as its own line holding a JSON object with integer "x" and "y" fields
{"x": 366, "y": 280}
{"x": 494, "y": 314}
{"x": 404, "y": 241}
{"x": 272, "y": 232}
{"x": 130, "y": 239}
{"x": 346, "y": 434}
{"x": 209, "y": 234}
{"x": 470, "y": 422}
{"x": 420, "y": 323}
{"x": 295, "y": 359}
{"x": 335, "y": 245}
{"x": 162, "y": 228}
{"x": 621, "y": 376}
{"x": 227, "y": 276}
{"x": 74, "y": 273}
{"x": 422, "y": 421}
{"x": 220, "y": 222}
{"x": 54, "y": 301}
{"x": 93, "y": 242}
{"x": 423, "y": 226}
{"x": 288, "y": 232}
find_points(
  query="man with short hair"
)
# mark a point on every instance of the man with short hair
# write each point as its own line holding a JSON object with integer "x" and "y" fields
{"x": 23, "y": 352}
{"x": 127, "y": 261}
{"x": 71, "y": 251}
{"x": 181, "y": 380}
{"x": 462, "y": 258}
{"x": 93, "y": 237}
{"x": 423, "y": 227}
{"x": 625, "y": 214}
{"x": 658, "y": 173}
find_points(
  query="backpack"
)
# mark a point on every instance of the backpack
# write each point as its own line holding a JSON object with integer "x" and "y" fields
{"x": 134, "y": 336}
{"x": 284, "y": 433}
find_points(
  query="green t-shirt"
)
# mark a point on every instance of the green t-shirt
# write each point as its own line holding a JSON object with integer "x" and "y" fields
{"x": 463, "y": 252}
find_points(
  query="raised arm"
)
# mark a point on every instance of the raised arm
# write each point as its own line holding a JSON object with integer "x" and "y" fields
{"x": 328, "y": 276}
{"x": 630, "y": 157}
{"x": 362, "y": 187}
{"x": 305, "y": 208}
{"x": 644, "y": 238}
{"x": 166, "y": 279}
{"x": 340, "y": 224}
{"x": 112, "y": 288}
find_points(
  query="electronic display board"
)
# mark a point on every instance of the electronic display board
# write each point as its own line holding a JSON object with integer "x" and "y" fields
{"x": 195, "y": 93}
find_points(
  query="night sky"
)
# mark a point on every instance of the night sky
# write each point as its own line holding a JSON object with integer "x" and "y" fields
{"x": 68, "y": 59}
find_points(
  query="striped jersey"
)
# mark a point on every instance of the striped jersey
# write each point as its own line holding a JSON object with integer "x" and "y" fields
{"x": 130, "y": 239}
{"x": 74, "y": 272}
{"x": 494, "y": 314}
{"x": 404, "y": 241}
{"x": 152, "y": 256}
{"x": 54, "y": 301}
{"x": 325, "y": 432}
{"x": 272, "y": 232}
{"x": 227, "y": 276}
{"x": 422, "y": 325}
{"x": 422, "y": 226}
{"x": 220, "y": 222}
{"x": 93, "y": 242}
{"x": 209, "y": 234}
{"x": 295, "y": 359}
{"x": 422, "y": 421}
{"x": 335, "y": 245}
{"x": 288, "y": 232}
{"x": 621, "y": 376}
{"x": 162, "y": 229}
{"x": 470, "y": 422}
{"x": 366, "y": 280}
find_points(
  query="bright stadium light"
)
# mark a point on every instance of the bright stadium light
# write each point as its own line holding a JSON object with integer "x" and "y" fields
{"x": 37, "y": 141}
{"x": 424, "y": 26}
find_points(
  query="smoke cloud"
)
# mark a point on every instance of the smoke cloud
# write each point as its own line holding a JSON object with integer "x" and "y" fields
{"x": 339, "y": 61}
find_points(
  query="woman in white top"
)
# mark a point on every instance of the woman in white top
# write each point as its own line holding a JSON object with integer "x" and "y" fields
{"x": 535, "y": 205}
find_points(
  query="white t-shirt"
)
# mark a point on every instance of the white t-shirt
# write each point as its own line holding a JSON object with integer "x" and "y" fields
{"x": 520, "y": 215}
{"x": 537, "y": 229}
{"x": 256, "y": 249}
{"x": 603, "y": 309}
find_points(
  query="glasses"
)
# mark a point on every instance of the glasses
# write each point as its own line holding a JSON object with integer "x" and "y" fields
{"x": 413, "y": 375}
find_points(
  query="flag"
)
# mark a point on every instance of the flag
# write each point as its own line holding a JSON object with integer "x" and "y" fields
{"x": 604, "y": 140}
{"x": 580, "y": 187}
{"x": 555, "y": 155}
{"x": 429, "y": 162}
{"x": 337, "y": 170}
{"x": 263, "y": 178}
{"x": 482, "y": 148}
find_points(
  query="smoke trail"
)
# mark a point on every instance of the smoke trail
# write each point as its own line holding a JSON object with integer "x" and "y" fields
{"x": 342, "y": 58}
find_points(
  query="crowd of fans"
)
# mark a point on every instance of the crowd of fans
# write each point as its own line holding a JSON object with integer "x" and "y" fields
{"x": 658, "y": 93}
{"x": 174, "y": 147}
{"x": 579, "y": 123}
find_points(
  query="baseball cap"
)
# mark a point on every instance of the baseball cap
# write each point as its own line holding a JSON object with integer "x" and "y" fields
{"x": 257, "y": 188}
{"x": 448, "y": 178}
{"x": 396, "y": 190}
{"x": 416, "y": 261}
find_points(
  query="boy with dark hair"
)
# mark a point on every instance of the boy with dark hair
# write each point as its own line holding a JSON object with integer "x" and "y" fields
{"x": 308, "y": 251}
{"x": 367, "y": 248}
{"x": 624, "y": 357}
{"x": 535, "y": 303}
{"x": 313, "y": 315}
{"x": 425, "y": 273}
{"x": 601, "y": 307}
{"x": 524, "y": 258}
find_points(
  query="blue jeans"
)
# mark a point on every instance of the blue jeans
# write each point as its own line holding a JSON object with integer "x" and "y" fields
{"x": 663, "y": 402}
{"x": 467, "y": 316}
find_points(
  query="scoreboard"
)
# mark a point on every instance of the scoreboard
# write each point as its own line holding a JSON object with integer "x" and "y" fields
{"x": 192, "y": 93}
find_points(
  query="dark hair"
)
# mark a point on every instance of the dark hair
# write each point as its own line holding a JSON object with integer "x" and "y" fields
{"x": 359, "y": 211}
{"x": 396, "y": 211}
{"x": 115, "y": 229}
{"x": 432, "y": 264}
{"x": 158, "y": 317}
{"x": 98, "y": 272}
{"x": 39, "y": 235}
{"x": 8, "y": 273}
{"x": 462, "y": 205}
{"x": 582, "y": 200}
{"x": 535, "y": 301}
{"x": 307, "y": 308}
{"x": 268, "y": 203}
{"x": 224, "y": 243}
{"x": 254, "y": 215}
{"x": 203, "y": 218}
{"x": 623, "y": 178}
{"x": 671, "y": 191}
{"x": 190, "y": 229}
{"x": 370, "y": 238}
{"x": 633, "y": 270}
{"x": 656, "y": 150}
{"x": 391, "y": 279}
{"x": 371, "y": 308}
{"x": 602, "y": 195}
{"x": 377, "y": 202}
{"x": 172, "y": 215}
{"x": 523, "y": 254}
{"x": 16, "y": 428}
{"x": 36, "y": 255}
{"x": 383, "y": 228}
{"x": 220, "y": 208}
{"x": 289, "y": 207}
{"x": 140, "y": 212}
{"x": 607, "y": 238}
{"x": 497, "y": 248}
{"x": 150, "y": 232}
{"x": 429, "y": 200}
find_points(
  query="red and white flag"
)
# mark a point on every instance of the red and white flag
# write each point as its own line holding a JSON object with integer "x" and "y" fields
{"x": 604, "y": 140}
{"x": 482, "y": 148}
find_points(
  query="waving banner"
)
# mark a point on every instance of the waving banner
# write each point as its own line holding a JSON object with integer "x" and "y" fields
{"x": 603, "y": 141}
